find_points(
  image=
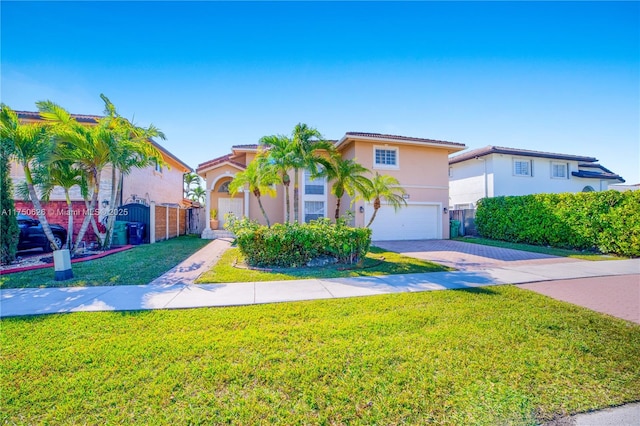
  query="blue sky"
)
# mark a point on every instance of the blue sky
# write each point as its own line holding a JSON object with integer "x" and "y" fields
{"x": 551, "y": 76}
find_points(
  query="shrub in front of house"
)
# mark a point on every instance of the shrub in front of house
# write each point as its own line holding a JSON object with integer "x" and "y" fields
{"x": 606, "y": 221}
{"x": 295, "y": 245}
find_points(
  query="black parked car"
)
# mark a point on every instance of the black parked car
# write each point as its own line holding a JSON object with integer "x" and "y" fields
{"x": 32, "y": 234}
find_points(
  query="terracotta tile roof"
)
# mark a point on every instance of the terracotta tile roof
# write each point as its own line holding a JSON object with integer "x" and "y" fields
{"x": 80, "y": 117}
{"x": 480, "y": 152}
{"x": 217, "y": 161}
{"x": 247, "y": 146}
{"x": 94, "y": 119}
{"x": 403, "y": 138}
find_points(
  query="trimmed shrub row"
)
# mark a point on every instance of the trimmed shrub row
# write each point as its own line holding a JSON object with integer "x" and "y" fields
{"x": 607, "y": 221}
{"x": 294, "y": 244}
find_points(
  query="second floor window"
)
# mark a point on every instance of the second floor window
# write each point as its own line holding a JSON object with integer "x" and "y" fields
{"x": 558, "y": 170}
{"x": 385, "y": 157}
{"x": 522, "y": 167}
{"x": 313, "y": 186}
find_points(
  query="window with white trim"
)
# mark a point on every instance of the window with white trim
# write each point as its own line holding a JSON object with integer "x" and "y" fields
{"x": 158, "y": 167}
{"x": 385, "y": 157}
{"x": 313, "y": 186}
{"x": 559, "y": 170}
{"x": 522, "y": 167}
{"x": 313, "y": 210}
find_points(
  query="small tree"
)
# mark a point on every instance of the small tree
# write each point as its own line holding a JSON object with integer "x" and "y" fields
{"x": 260, "y": 177}
{"x": 279, "y": 154}
{"x": 197, "y": 194}
{"x": 65, "y": 175}
{"x": 189, "y": 179}
{"x": 306, "y": 143}
{"x": 384, "y": 187}
{"x": 348, "y": 177}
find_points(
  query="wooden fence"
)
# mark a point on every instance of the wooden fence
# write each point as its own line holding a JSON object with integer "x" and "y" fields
{"x": 167, "y": 221}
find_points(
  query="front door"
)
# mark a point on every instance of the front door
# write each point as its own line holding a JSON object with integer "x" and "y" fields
{"x": 229, "y": 205}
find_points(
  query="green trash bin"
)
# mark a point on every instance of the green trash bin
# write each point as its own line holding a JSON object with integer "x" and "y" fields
{"x": 454, "y": 226}
{"x": 120, "y": 233}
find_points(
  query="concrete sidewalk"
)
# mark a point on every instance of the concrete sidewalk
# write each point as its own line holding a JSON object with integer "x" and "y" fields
{"x": 175, "y": 289}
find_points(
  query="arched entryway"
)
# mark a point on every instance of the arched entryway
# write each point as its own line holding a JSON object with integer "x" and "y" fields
{"x": 222, "y": 201}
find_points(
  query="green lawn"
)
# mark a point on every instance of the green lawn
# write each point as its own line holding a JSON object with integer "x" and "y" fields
{"x": 140, "y": 265}
{"x": 490, "y": 356}
{"x": 377, "y": 262}
{"x": 539, "y": 249}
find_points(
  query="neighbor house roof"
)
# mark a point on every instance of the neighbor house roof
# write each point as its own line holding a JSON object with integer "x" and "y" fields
{"x": 219, "y": 161}
{"x": 453, "y": 146}
{"x": 92, "y": 119}
{"x": 601, "y": 172}
{"x": 487, "y": 150}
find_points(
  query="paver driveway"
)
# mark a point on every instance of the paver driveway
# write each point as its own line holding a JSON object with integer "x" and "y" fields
{"x": 468, "y": 256}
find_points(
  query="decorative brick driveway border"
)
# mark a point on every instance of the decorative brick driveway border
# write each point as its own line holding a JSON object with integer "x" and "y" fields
{"x": 468, "y": 256}
{"x": 618, "y": 296}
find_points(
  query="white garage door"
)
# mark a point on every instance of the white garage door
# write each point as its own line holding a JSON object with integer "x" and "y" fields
{"x": 412, "y": 222}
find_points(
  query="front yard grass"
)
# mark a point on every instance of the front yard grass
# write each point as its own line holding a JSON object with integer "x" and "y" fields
{"x": 489, "y": 356}
{"x": 539, "y": 249}
{"x": 377, "y": 262}
{"x": 139, "y": 265}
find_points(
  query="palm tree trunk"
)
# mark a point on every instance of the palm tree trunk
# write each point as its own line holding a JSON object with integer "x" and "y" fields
{"x": 376, "y": 206}
{"x": 296, "y": 195}
{"x": 375, "y": 211}
{"x": 70, "y": 220}
{"x": 116, "y": 184}
{"x": 89, "y": 213}
{"x": 338, "y": 200}
{"x": 286, "y": 197}
{"x": 43, "y": 219}
{"x": 264, "y": 213}
{"x": 38, "y": 207}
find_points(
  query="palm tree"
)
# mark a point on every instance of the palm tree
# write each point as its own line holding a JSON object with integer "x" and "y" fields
{"x": 133, "y": 149}
{"x": 113, "y": 140}
{"x": 197, "y": 194}
{"x": 27, "y": 143}
{"x": 87, "y": 147}
{"x": 348, "y": 177}
{"x": 260, "y": 177}
{"x": 307, "y": 141}
{"x": 189, "y": 179}
{"x": 279, "y": 154}
{"x": 65, "y": 175}
{"x": 384, "y": 187}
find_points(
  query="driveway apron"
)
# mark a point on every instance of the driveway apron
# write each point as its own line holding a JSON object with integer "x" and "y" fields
{"x": 467, "y": 256}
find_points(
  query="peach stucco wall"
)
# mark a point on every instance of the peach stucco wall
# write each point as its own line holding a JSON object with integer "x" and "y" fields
{"x": 422, "y": 172}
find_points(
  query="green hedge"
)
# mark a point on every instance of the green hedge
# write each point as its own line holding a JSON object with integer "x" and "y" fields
{"x": 607, "y": 221}
{"x": 294, "y": 244}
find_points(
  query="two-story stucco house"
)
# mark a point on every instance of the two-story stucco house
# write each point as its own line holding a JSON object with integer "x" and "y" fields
{"x": 495, "y": 171}
{"x": 419, "y": 164}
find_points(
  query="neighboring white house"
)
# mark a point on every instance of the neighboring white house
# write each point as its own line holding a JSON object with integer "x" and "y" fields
{"x": 622, "y": 188}
{"x": 493, "y": 171}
